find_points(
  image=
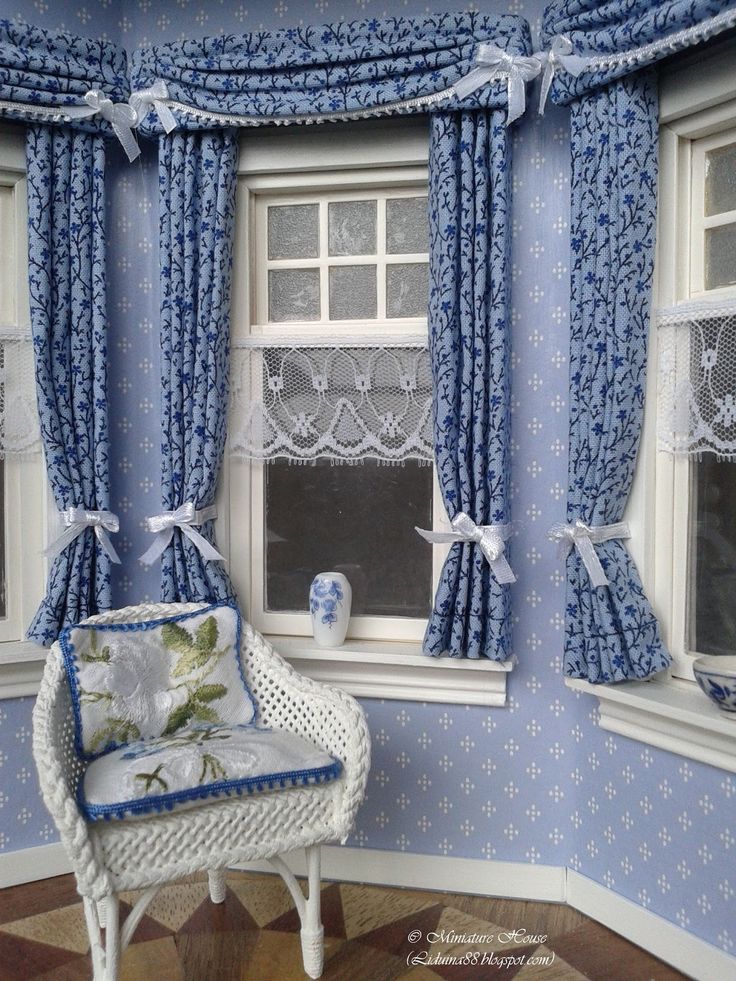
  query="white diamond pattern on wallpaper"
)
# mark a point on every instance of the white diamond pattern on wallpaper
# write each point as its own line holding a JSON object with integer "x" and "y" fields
{"x": 536, "y": 781}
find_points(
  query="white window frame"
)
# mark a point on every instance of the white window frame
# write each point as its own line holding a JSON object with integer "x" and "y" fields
{"x": 26, "y": 502}
{"x": 382, "y": 656}
{"x": 697, "y": 101}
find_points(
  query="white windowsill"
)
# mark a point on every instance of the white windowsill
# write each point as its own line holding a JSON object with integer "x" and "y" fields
{"x": 21, "y": 666}
{"x": 370, "y": 669}
{"x": 363, "y": 668}
{"x": 669, "y": 714}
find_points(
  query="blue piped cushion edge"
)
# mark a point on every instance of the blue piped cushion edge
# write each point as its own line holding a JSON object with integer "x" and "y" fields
{"x": 226, "y": 788}
{"x": 70, "y": 663}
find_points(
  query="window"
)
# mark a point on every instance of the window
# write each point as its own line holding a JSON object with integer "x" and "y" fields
{"x": 342, "y": 260}
{"x": 331, "y": 249}
{"x": 695, "y": 496}
{"x": 22, "y": 485}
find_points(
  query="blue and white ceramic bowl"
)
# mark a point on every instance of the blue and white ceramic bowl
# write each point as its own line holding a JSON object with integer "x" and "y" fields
{"x": 716, "y": 675}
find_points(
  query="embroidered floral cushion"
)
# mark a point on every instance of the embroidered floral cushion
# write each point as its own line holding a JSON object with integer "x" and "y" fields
{"x": 198, "y": 762}
{"x": 132, "y": 681}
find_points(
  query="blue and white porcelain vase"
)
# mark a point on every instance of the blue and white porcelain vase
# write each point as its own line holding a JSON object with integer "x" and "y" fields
{"x": 330, "y": 598}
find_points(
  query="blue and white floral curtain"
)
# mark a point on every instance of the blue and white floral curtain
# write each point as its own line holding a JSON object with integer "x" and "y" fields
{"x": 369, "y": 67}
{"x": 44, "y": 77}
{"x": 611, "y": 631}
{"x": 197, "y": 188}
{"x": 469, "y": 198}
{"x": 66, "y": 254}
{"x": 348, "y": 71}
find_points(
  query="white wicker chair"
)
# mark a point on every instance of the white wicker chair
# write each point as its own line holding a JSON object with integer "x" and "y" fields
{"x": 112, "y": 857}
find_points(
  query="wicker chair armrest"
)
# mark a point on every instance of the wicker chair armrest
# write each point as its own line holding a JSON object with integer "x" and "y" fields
{"x": 326, "y": 715}
{"x": 59, "y": 773}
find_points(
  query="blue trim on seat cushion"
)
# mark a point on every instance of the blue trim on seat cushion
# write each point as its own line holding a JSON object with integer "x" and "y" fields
{"x": 250, "y": 785}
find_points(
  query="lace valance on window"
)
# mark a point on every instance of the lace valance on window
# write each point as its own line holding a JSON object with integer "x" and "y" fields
{"x": 19, "y": 432}
{"x": 697, "y": 378}
{"x": 302, "y": 399}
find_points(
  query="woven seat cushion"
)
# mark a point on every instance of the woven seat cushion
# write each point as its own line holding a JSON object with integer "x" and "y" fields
{"x": 197, "y": 763}
{"x": 143, "y": 680}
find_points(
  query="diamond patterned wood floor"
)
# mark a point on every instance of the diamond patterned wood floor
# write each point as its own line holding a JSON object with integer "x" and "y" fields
{"x": 254, "y": 935}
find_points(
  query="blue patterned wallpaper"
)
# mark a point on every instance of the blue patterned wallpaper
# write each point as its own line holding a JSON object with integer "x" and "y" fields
{"x": 537, "y": 781}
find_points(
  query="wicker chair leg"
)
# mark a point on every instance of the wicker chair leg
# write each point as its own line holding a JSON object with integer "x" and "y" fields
{"x": 102, "y": 912}
{"x": 217, "y": 886}
{"x": 112, "y": 939}
{"x": 97, "y": 951}
{"x": 312, "y": 932}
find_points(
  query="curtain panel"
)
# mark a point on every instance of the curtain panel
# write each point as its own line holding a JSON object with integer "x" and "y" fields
{"x": 66, "y": 258}
{"x": 197, "y": 188}
{"x": 469, "y": 198}
{"x": 44, "y": 72}
{"x": 334, "y": 70}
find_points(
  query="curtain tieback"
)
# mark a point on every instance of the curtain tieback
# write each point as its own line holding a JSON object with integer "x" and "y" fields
{"x": 184, "y": 518}
{"x": 121, "y": 116}
{"x": 582, "y": 537}
{"x": 491, "y": 538}
{"x": 491, "y": 60}
{"x": 155, "y": 95}
{"x": 559, "y": 56}
{"x": 76, "y": 520}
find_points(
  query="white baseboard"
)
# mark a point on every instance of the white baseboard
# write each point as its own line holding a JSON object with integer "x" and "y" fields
{"x": 512, "y": 880}
{"x": 691, "y": 955}
{"x": 31, "y": 864}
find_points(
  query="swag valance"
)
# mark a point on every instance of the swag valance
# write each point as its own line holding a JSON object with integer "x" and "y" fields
{"x": 333, "y": 71}
{"x": 618, "y": 37}
{"x": 45, "y": 75}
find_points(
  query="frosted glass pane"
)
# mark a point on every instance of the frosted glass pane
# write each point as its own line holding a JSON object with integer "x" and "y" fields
{"x": 720, "y": 180}
{"x": 713, "y": 539}
{"x": 407, "y": 227}
{"x": 358, "y": 520}
{"x": 352, "y": 226}
{"x": 293, "y": 294}
{"x": 407, "y": 289}
{"x": 293, "y": 231}
{"x": 720, "y": 256}
{"x": 353, "y": 293}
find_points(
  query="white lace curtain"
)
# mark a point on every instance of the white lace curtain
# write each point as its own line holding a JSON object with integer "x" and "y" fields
{"x": 19, "y": 431}
{"x": 697, "y": 378}
{"x": 301, "y": 399}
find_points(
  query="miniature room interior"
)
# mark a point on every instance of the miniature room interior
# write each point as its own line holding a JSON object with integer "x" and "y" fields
{"x": 367, "y": 490}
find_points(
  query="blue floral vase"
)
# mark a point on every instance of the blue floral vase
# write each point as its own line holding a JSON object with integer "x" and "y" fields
{"x": 330, "y": 598}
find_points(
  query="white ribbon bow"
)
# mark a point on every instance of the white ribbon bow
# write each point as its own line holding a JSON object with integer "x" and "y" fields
{"x": 121, "y": 116}
{"x": 559, "y": 56}
{"x": 491, "y": 61}
{"x": 582, "y": 537}
{"x": 183, "y": 518}
{"x": 155, "y": 95}
{"x": 76, "y": 520}
{"x": 491, "y": 539}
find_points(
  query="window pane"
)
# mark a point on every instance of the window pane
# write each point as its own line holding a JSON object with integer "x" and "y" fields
{"x": 407, "y": 289}
{"x": 720, "y": 256}
{"x": 406, "y": 225}
{"x": 713, "y": 543}
{"x": 293, "y": 231}
{"x": 720, "y": 180}
{"x": 358, "y": 520}
{"x": 293, "y": 294}
{"x": 352, "y": 226}
{"x": 353, "y": 293}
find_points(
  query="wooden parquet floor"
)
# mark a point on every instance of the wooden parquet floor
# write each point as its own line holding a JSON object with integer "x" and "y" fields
{"x": 371, "y": 934}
